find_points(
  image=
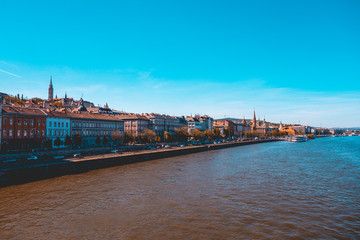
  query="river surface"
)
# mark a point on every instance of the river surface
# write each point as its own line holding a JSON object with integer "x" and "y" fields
{"x": 277, "y": 190}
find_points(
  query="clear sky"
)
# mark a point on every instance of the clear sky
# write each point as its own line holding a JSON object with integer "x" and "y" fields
{"x": 293, "y": 61}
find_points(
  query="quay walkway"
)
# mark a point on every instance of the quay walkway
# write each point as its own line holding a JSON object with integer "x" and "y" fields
{"x": 19, "y": 173}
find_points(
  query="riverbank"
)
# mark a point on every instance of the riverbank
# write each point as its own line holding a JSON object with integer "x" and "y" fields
{"x": 28, "y": 172}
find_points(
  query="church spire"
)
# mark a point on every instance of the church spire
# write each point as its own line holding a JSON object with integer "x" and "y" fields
{"x": 254, "y": 121}
{"x": 51, "y": 90}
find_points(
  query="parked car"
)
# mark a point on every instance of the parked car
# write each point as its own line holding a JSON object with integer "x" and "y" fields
{"x": 167, "y": 146}
{"x": 115, "y": 151}
{"x": 32, "y": 158}
{"x": 76, "y": 155}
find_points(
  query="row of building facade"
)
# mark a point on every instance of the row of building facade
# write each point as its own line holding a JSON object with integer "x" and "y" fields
{"x": 26, "y": 127}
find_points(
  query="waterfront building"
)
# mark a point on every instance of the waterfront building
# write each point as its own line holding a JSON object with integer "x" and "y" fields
{"x": 295, "y": 129}
{"x": 337, "y": 131}
{"x": 193, "y": 123}
{"x": 234, "y": 129}
{"x": 238, "y": 130}
{"x": 300, "y": 129}
{"x": 288, "y": 130}
{"x": 22, "y": 128}
{"x": 93, "y": 126}
{"x": 134, "y": 124}
{"x": 201, "y": 122}
{"x": 207, "y": 122}
{"x": 160, "y": 123}
{"x": 225, "y": 126}
{"x": 171, "y": 123}
{"x": 182, "y": 122}
{"x": 58, "y": 126}
{"x": 156, "y": 123}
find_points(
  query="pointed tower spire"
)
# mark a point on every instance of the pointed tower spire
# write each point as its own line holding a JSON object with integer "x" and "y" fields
{"x": 254, "y": 121}
{"x": 65, "y": 94}
{"x": 51, "y": 90}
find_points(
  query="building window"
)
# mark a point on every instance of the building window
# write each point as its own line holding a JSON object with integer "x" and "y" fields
{"x": 4, "y": 121}
{"x": 50, "y": 124}
{"x": 58, "y": 124}
{"x": 25, "y": 122}
{"x": 11, "y": 133}
{"x": 4, "y": 133}
{"x": 62, "y": 124}
{"x": 38, "y": 123}
{"x": 18, "y": 133}
{"x": 43, "y": 133}
{"x": 32, "y": 132}
{"x": 19, "y": 122}
{"x": 31, "y": 122}
{"x": 38, "y": 132}
{"x": 25, "y": 132}
{"x": 44, "y": 123}
{"x": 66, "y": 124}
{"x": 11, "y": 121}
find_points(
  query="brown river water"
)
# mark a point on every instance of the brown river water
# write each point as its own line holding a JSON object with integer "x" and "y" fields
{"x": 277, "y": 190}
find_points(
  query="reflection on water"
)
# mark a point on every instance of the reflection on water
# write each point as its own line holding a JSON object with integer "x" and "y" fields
{"x": 273, "y": 190}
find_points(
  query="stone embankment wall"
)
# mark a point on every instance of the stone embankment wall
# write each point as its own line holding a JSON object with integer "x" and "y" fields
{"x": 28, "y": 173}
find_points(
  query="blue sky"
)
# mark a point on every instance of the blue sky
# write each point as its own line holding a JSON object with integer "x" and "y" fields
{"x": 293, "y": 61}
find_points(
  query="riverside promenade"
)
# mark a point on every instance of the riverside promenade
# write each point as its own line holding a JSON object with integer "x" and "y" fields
{"x": 27, "y": 172}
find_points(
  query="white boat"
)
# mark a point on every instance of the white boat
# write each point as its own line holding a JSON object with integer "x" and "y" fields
{"x": 298, "y": 138}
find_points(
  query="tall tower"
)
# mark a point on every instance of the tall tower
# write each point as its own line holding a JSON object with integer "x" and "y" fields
{"x": 254, "y": 122}
{"x": 51, "y": 90}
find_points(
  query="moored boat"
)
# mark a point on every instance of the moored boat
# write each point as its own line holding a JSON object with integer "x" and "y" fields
{"x": 300, "y": 138}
